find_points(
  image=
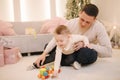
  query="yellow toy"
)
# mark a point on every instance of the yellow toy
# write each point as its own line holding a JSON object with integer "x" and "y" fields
{"x": 30, "y": 31}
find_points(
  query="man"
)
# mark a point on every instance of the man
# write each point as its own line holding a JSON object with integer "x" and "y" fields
{"x": 87, "y": 25}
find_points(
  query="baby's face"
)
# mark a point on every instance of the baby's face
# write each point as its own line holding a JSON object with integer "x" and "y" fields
{"x": 62, "y": 40}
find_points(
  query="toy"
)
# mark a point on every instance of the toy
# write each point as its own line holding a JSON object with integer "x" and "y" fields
{"x": 31, "y": 31}
{"x": 45, "y": 72}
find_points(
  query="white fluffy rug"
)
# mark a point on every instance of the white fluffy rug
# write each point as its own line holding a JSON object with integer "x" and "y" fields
{"x": 102, "y": 69}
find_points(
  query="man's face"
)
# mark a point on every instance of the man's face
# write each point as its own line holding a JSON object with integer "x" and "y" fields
{"x": 85, "y": 20}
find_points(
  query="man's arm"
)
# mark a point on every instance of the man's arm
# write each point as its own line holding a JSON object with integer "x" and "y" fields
{"x": 103, "y": 47}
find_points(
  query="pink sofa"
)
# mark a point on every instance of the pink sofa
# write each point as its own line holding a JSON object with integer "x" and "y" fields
{"x": 27, "y": 43}
{"x": 32, "y": 36}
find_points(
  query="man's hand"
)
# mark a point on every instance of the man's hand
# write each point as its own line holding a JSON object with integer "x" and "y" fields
{"x": 78, "y": 45}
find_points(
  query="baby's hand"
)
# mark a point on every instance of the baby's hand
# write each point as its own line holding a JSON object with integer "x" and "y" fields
{"x": 55, "y": 74}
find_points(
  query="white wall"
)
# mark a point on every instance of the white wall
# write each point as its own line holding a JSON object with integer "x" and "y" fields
{"x": 60, "y": 8}
{"x": 109, "y": 11}
{"x": 31, "y": 10}
{"x": 6, "y": 10}
{"x": 35, "y": 10}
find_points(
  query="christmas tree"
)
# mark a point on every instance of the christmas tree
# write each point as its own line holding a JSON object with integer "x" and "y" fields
{"x": 73, "y": 7}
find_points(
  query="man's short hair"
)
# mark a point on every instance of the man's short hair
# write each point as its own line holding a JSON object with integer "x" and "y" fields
{"x": 91, "y": 10}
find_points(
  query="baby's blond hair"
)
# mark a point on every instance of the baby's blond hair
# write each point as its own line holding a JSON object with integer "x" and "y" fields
{"x": 62, "y": 29}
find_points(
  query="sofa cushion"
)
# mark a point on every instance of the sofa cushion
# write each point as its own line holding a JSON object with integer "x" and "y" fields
{"x": 51, "y": 24}
{"x": 20, "y": 27}
{"x": 6, "y": 29}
